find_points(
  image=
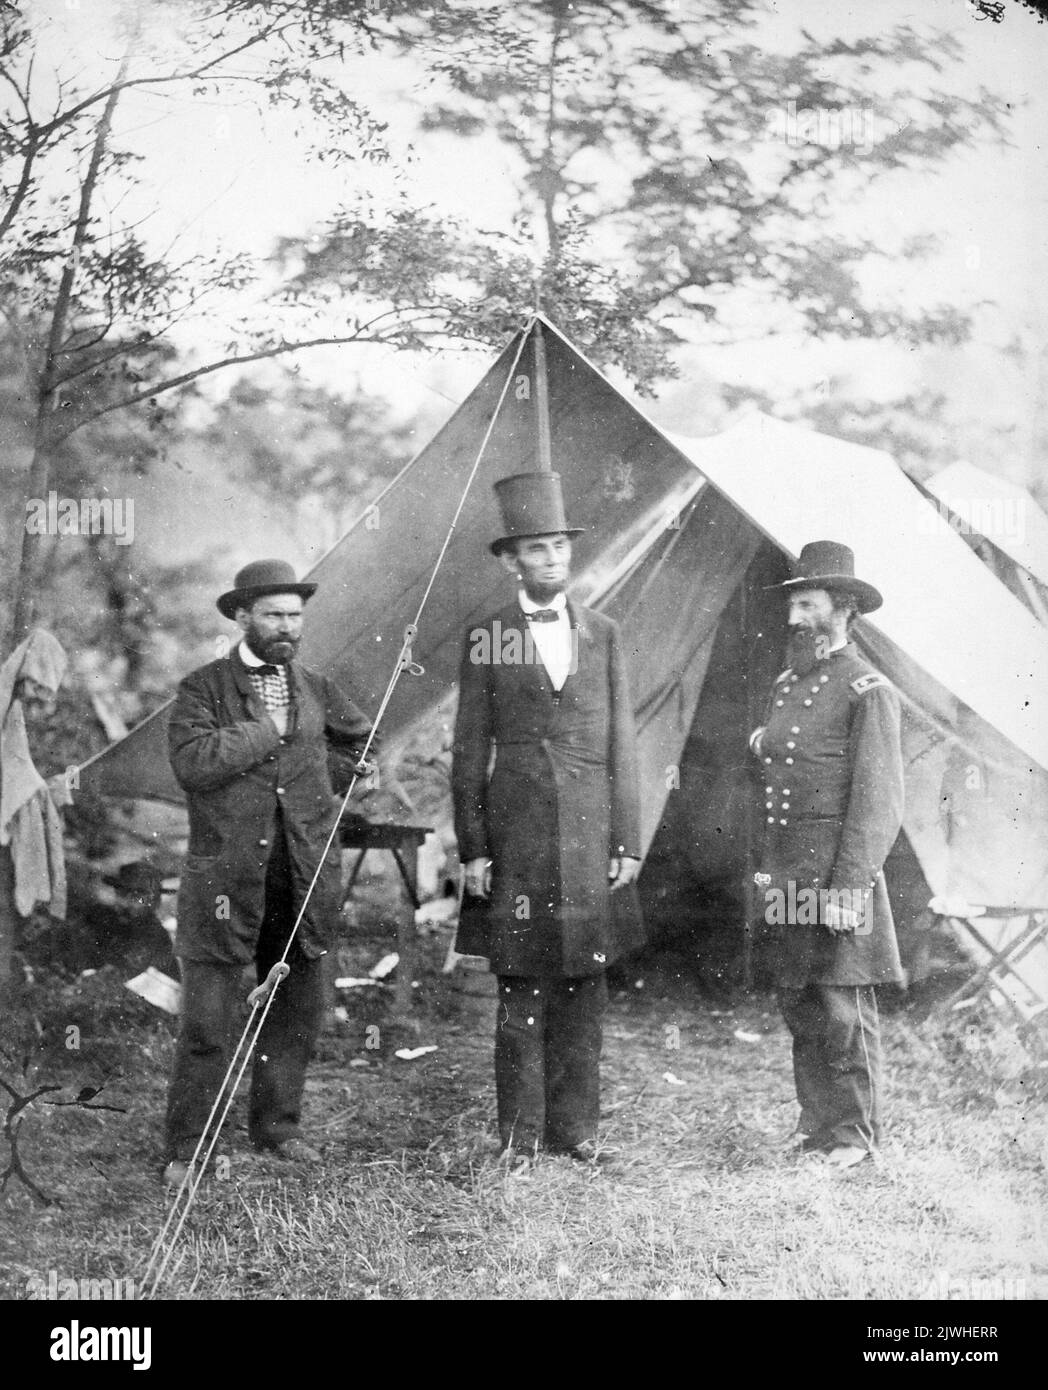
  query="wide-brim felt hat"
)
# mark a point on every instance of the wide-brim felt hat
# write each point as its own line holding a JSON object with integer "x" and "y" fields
{"x": 831, "y": 565}
{"x": 531, "y": 505}
{"x": 259, "y": 578}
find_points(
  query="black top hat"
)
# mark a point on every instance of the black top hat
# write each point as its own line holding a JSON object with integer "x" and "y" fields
{"x": 831, "y": 565}
{"x": 259, "y": 578}
{"x": 531, "y": 505}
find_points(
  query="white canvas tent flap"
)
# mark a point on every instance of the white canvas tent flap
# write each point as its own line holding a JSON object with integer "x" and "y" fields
{"x": 1002, "y": 511}
{"x": 942, "y": 607}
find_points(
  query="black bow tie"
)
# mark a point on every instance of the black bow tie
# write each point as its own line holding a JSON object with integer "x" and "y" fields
{"x": 543, "y": 615}
{"x": 265, "y": 670}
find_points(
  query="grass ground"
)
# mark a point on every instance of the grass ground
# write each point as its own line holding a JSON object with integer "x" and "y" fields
{"x": 410, "y": 1202}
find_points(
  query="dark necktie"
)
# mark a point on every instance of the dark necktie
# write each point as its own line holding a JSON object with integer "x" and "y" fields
{"x": 543, "y": 615}
{"x": 264, "y": 670}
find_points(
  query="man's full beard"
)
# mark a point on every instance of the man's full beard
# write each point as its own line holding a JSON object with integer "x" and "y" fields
{"x": 542, "y": 593}
{"x": 805, "y": 648}
{"x": 278, "y": 651}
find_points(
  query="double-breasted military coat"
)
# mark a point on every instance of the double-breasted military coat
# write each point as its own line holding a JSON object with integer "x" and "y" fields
{"x": 832, "y": 784}
{"x": 545, "y": 786}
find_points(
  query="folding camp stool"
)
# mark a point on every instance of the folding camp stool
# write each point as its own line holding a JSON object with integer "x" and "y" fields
{"x": 402, "y": 842}
{"x": 998, "y": 976}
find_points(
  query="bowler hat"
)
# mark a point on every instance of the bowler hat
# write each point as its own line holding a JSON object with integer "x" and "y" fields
{"x": 139, "y": 879}
{"x": 259, "y": 578}
{"x": 531, "y": 505}
{"x": 831, "y": 565}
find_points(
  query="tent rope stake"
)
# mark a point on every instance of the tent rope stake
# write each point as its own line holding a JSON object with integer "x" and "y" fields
{"x": 261, "y": 998}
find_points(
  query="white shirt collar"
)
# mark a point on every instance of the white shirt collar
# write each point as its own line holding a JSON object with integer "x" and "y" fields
{"x": 247, "y": 656}
{"x": 558, "y": 602}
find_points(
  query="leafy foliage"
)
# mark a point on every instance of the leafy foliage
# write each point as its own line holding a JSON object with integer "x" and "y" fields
{"x": 89, "y": 307}
{"x": 323, "y": 457}
{"x": 679, "y": 177}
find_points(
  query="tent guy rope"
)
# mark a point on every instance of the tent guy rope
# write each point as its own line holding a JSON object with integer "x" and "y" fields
{"x": 261, "y": 998}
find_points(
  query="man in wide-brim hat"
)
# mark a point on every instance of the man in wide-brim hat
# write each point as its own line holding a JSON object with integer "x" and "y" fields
{"x": 261, "y": 744}
{"x": 832, "y": 800}
{"x": 550, "y": 837}
{"x": 259, "y": 579}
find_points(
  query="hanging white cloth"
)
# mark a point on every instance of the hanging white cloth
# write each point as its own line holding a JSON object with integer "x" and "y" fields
{"x": 29, "y": 820}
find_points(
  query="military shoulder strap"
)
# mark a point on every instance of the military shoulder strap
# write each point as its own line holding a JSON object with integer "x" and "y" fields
{"x": 870, "y": 681}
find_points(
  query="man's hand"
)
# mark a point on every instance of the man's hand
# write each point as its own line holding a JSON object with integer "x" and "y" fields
{"x": 841, "y": 919}
{"x": 365, "y": 768}
{"x": 622, "y": 871}
{"x": 478, "y": 877}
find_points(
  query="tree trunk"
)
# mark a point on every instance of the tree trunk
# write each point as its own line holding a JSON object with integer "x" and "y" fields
{"x": 8, "y": 928}
{"x": 550, "y": 174}
{"x": 49, "y": 390}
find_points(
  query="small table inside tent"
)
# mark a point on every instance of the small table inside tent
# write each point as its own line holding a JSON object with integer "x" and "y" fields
{"x": 403, "y": 843}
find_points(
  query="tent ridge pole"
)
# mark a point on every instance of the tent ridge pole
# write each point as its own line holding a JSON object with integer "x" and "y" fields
{"x": 543, "y": 442}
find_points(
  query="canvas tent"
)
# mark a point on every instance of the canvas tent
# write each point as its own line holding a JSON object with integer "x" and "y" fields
{"x": 683, "y": 538}
{"x": 1002, "y": 523}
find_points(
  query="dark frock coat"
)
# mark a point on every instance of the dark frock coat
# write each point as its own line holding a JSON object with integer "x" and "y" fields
{"x": 832, "y": 784}
{"x": 240, "y": 774}
{"x": 560, "y": 799}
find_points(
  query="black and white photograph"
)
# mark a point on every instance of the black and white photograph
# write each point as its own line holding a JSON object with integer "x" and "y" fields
{"x": 524, "y": 684}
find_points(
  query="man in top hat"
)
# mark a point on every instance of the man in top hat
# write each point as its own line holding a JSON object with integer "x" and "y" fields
{"x": 832, "y": 780}
{"x": 549, "y": 837}
{"x": 261, "y": 744}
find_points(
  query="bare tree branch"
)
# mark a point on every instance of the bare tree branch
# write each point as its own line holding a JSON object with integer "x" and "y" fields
{"x": 125, "y": 84}
{"x": 236, "y": 360}
{"x": 19, "y": 195}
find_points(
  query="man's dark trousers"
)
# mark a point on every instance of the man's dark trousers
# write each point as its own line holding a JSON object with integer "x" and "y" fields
{"x": 548, "y": 1034}
{"x": 836, "y": 1061}
{"x": 213, "y": 1017}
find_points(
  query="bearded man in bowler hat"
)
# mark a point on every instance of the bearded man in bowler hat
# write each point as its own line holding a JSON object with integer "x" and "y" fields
{"x": 262, "y": 745}
{"x": 832, "y": 776}
{"x": 549, "y": 835}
